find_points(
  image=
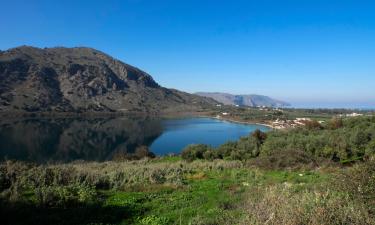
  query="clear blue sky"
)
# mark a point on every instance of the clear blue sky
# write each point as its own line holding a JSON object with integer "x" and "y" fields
{"x": 308, "y": 52}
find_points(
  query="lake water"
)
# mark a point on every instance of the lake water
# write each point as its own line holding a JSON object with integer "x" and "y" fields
{"x": 98, "y": 139}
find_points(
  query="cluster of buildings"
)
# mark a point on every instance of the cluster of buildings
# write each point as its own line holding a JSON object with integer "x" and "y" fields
{"x": 282, "y": 124}
{"x": 351, "y": 114}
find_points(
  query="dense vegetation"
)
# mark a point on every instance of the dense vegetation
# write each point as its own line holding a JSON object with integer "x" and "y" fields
{"x": 319, "y": 174}
{"x": 251, "y": 114}
{"x": 337, "y": 140}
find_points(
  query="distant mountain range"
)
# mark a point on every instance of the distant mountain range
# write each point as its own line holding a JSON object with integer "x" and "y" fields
{"x": 244, "y": 100}
{"x": 83, "y": 80}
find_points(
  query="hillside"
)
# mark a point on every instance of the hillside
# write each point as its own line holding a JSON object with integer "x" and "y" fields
{"x": 83, "y": 80}
{"x": 244, "y": 100}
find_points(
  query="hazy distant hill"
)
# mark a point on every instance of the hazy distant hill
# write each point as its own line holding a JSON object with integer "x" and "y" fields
{"x": 244, "y": 100}
{"x": 82, "y": 80}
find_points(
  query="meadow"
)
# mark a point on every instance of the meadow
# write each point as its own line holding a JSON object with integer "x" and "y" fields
{"x": 172, "y": 191}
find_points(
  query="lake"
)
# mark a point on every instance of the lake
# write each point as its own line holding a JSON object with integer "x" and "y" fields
{"x": 98, "y": 139}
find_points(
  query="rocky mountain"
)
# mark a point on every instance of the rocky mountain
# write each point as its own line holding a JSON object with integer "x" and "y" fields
{"x": 83, "y": 80}
{"x": 244, "y": 100}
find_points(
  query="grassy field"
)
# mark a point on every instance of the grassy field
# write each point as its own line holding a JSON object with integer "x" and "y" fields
{"x": 172, "y": 191}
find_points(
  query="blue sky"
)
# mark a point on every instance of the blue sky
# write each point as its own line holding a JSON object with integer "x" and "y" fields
{"x": 310, "y": 52}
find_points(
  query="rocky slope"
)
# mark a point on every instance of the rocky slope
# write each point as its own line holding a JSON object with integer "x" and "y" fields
{"x": 83, "y": 80}
{"x": 244, "y": 100}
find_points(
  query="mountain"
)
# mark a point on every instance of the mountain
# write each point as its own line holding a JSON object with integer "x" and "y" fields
{"x": 83, "y": 80}
{"x": 244, "y": 100}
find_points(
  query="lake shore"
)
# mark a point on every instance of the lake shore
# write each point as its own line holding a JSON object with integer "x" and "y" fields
{"x": 243, "y": 122}
{"x": 167, "y": 115}
{"x": 208, "y": 115}
{"x": 175, "y": 114}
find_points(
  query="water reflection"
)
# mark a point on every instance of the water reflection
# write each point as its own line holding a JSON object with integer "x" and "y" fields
{"x": 99, "y": 139}
{"x": 67, "y": 139}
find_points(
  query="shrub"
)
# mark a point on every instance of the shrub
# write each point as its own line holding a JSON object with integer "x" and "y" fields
{"x": 157, "y": 177}
{"x": 86, "y": 193}
{"x": 211, "y": 154}
{"x": 359, "y": 182}
{"x": 153, "y": 220}
{"x": 64, "y": 195}
{"x": 53, "y": 196}
{"x": 335, "y": 123}
{"x": 370, "y": 150}
{"x": 259, "y": 136}
{"x": 139, "y": 153}
{"x": 143, "y": 152}
{"x": 284, "y": 159}
{"x": 284, "y": 204}
{"x": 313, "y": 125}
{"x": 194, "y": 151}
{"x": 225, "y": 150}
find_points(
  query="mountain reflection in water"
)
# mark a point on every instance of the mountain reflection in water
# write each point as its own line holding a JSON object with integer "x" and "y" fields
{"x": 100, "y": 139}
{"x": 68, "y": 139}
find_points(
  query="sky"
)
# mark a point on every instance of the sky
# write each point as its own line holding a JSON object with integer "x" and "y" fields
{"x": 318, "y": 53}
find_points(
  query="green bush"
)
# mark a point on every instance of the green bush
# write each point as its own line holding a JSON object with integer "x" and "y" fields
{"x": 211, "y": 154}
{"x": 153, "y": 220}
{"x": 335, "y": 123}
{"x": 195, "y": 151}
{"x": 86, "y": 193}
{"x": 64, "y": 195}
{"x": 225, "y": 150}
{"x": 284, "y": 159}
{"x": 313, "y": 125}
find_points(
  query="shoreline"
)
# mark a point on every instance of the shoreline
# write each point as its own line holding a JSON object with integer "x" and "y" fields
{"x": 202, "y": 114}
{"x": 241, "y": 122}
{"x": 17, "y": 115}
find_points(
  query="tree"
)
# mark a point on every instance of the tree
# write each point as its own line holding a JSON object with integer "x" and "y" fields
{"x": 259, "y": 137}
{"x": 335, "y": 123}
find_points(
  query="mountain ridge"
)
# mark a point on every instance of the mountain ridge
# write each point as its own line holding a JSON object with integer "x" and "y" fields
{"x": 83, "y": 79}
{"x": 252, "y": 100}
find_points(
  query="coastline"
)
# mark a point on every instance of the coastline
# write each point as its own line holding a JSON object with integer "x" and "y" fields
{"x": 203, "y": 114}
{"x": 241, "y": 122}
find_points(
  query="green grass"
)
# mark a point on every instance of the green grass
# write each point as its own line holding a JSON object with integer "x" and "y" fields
{"x": 206, "y": 196}
{"x": 207, "y": 192}
{"x": 167, "y": 159}
{"x": 351, "y": 160}
{"x": 212, "y": 197}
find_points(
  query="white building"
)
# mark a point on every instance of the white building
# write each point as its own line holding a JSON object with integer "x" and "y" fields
{"x": 354, "y": 114}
